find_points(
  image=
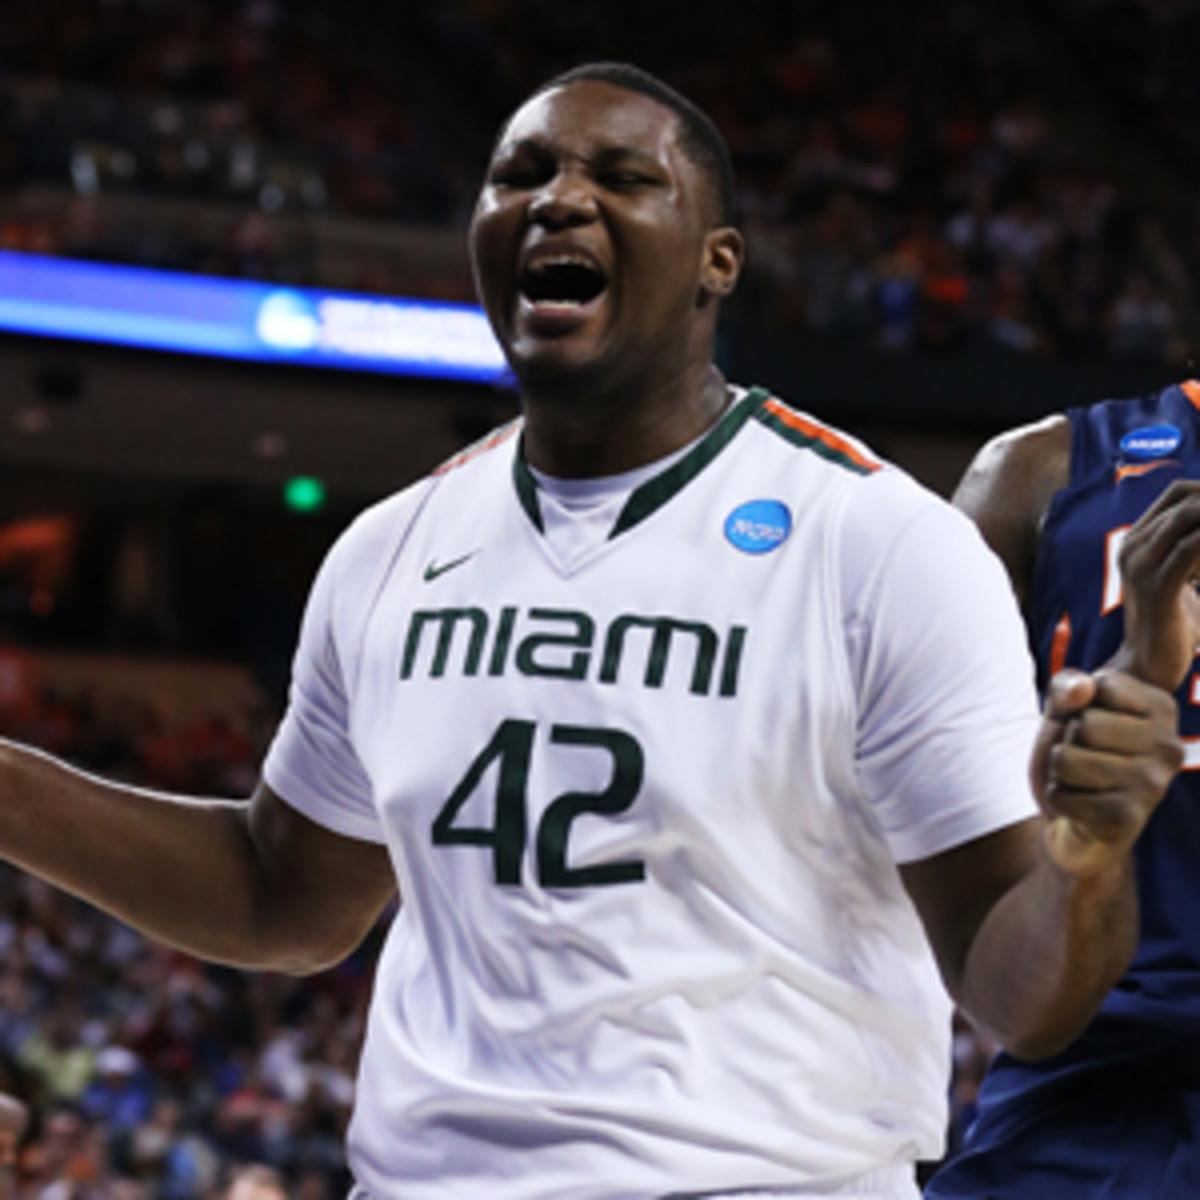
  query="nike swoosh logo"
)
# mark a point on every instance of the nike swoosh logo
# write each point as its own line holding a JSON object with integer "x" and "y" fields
{"x": 1126, "y": 470}
{"x": 435, "y": 568}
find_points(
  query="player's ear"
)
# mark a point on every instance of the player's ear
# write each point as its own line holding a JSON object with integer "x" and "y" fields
{"x": 724, "y": 253}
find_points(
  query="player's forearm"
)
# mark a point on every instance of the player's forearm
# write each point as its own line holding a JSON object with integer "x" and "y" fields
{"x": 1048, "y": 953}
{"x": 181, "y": 870}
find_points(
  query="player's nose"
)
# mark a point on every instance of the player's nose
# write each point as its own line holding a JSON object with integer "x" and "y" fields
{"x": 566, "y": 199}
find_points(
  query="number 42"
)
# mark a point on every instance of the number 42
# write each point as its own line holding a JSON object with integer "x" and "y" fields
{"x": 511, "y": 748}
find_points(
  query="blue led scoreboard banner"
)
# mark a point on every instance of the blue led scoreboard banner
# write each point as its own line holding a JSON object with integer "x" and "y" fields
{"x": 227, "y": 318}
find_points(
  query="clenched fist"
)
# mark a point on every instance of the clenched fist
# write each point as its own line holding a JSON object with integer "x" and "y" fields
{"x": 1104, "y": 758}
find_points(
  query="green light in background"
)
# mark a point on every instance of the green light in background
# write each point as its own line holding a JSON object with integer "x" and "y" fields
{"x": 304, "y": 493}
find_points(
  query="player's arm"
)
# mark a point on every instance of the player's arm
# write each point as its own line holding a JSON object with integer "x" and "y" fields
{"x": 1008, "y": 487}
{"x": 1032, "y": 917}
{"x": 1033, "y": 925}
{"x": 251, "y": 885}
{"x": 1077, "y": 856}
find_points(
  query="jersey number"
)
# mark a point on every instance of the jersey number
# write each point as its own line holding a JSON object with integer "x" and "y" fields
{"x": 511, "y": 748}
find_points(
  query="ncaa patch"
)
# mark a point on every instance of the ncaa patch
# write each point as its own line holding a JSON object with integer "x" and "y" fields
{"x": 758, "y": 526}
{"x": 1151, "y": 441}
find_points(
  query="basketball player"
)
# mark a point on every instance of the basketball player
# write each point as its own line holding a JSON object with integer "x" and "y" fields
{"x": 686, "y": 728}
{"x": 1099, "y": 525}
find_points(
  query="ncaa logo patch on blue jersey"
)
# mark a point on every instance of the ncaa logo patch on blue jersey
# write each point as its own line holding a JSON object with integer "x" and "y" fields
{"x": 759, "y": 526}
{"x": 1152, "y": 441}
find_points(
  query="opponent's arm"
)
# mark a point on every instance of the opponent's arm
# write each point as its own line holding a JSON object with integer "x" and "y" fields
{"x": 1032, "y": 925}
{"x": 251, "y": 885}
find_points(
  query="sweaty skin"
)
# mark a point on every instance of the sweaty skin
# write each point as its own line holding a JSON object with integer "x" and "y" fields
{"x": 593, "y": 171}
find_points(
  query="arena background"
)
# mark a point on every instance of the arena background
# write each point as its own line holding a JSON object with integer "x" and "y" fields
{"x": 960, "y": 216}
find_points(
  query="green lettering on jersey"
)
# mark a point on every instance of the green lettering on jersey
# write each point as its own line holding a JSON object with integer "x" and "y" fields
{"x": 449, "y": 618}
{"x": 582, "y": 635}
{"x": 664, "y": 629}
{"x": 503, "y": 639}
{"x": 733, "y": 660}
{"x": 558, "y": 643}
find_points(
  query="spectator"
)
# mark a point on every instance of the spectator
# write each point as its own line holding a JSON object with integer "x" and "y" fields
{"x": 14, "y": 1119}
{"x": 117, "y": 1097}
{"x": 54, "y": 1054}
{"x": 256, "y": 1182}
{"x": 1142, "y": 321}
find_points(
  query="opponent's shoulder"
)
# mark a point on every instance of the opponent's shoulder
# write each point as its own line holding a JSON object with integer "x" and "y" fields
{"x": 1018, "y": 470}
{"x": 1008, "y": 488}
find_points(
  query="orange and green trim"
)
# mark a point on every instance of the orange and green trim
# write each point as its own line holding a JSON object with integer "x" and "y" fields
{"x": 654, "y": 493}
{"x": 757, "y": 404}
{"x": 812, "y": 435}
{"x": 489, "y": 442}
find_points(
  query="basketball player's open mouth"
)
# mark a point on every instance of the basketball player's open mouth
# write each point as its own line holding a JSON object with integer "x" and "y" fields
{"x": 561, "y": 283}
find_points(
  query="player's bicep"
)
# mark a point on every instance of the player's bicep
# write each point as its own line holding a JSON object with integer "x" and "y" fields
{"x": 319, "y": 891}
{"x": 955, "y": 890}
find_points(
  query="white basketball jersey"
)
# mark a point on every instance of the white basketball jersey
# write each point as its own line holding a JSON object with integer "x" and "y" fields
{"x": 645, "y": 812}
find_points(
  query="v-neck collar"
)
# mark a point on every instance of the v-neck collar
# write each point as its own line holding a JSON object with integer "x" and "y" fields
{"x": 650, "y": 496}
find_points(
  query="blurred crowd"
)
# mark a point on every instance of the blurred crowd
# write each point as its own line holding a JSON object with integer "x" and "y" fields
{"x": 904, "y": 181}
{"x": 1143, "y": 52}
{"x": 147, "y": 1075}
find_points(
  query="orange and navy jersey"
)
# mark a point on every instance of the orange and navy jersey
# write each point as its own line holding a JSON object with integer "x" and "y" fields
{"x": 1124, "y": 453}
{"x": 1116, "y": 1113}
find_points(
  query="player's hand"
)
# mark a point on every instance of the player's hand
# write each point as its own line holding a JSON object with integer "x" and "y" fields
{"x": 1104, "y": 758}
{"x": 1160, "y": 560}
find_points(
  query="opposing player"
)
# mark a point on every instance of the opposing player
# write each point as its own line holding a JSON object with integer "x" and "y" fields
{"x": 1097, "y": 516}
{"x": 686, "y": 728}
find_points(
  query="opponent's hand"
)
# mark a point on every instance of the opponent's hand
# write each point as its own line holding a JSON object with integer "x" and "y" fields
{"x": 1160, "y": 560}
{"x": 1104, "y": 758}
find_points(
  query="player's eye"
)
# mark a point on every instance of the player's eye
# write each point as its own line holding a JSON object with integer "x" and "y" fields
{"x": 519, "y": 174}
{"x": 514, "y": 179}
{"x": 625, "y": 179}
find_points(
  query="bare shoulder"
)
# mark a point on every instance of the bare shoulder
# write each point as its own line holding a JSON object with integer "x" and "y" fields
{"x": 1008, "y": 488}
{"x": 1021, "y": 468}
